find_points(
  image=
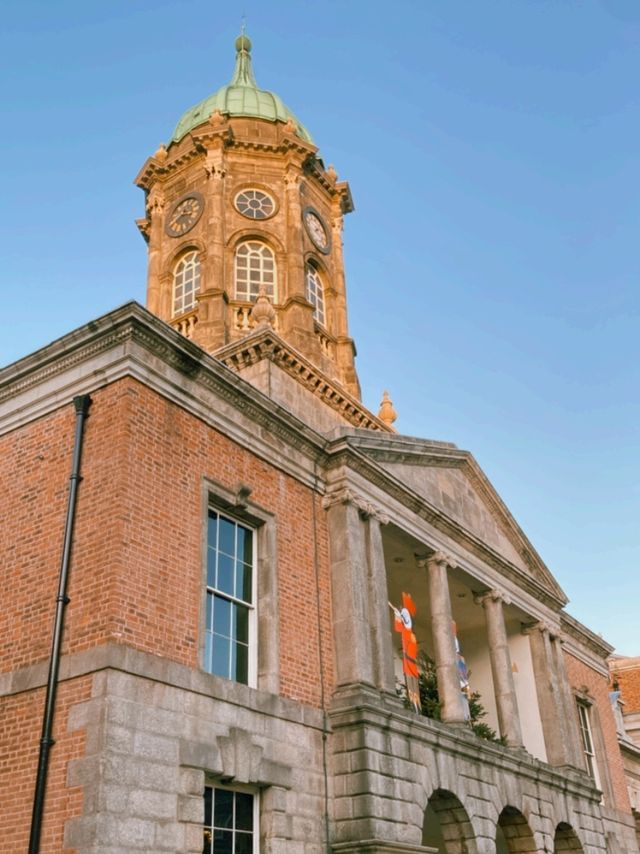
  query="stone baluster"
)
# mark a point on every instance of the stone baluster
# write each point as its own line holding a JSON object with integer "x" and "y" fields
{"x": 501, "y": 667}
{"x": 453, "y": 707}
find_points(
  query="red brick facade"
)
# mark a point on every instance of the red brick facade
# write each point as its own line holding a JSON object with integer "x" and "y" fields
{"x": 136, "y": 571}
{"x": 625, "y": 674}
{"x": 586, "y": 681}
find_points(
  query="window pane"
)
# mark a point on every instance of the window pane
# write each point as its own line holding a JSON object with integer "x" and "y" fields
{"x": 206, "y": 842}
{"x": 220, "y": 657}
{"x": 222, "y": 616}
{"x": 243, "y": 582}
{"x": 241, "y": 663}
{"x": 209, "y": 618}
{"x": 225, "y": 574}
{"x": 227, "y": 536}
{"x": 223, "y": 810}
{"x": 244, "y": 811}
{"x": 244, "y": 843}
{"x": 212, "y": 529}
{"x": 211, "y": 567}
{"x": 242, "y": 624}
{"x": 208, "y": 652}
{"x": 208, "y": 795}
{"x": 245, "y": 544}
{"x": 222, "y": 842}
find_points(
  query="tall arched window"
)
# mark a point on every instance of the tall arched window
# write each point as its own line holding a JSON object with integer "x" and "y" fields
{"x": 186, "y": 283}
{"x": 315, "y": 293}
{"x": 255, "y": 269}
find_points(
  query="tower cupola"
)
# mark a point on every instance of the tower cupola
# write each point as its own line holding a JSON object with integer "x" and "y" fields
{"x": 240, "y": 209}
{"x": 240, "y": 97}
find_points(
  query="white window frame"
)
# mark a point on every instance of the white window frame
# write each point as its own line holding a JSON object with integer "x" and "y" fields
{"x": 246, "y": 790}
{"x": 256, "y": 252}
{"x": 588, "y": 744}
{"x": 315, "y": 292}
{"x": 188, "y": 269}
{"x": 252, "y": 607}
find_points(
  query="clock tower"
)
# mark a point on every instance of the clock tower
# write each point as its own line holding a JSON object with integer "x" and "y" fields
{"x": 244, "y": 231}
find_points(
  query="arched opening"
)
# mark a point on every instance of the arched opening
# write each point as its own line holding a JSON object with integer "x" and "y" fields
{"x": 566, "y": 839}
{"x": 255, "y": 268}
{"x": 513, "y": 834}
{"x": 186, "y": 282}
{"x": 446, "y": 826}
{"x": 315, "y": 292}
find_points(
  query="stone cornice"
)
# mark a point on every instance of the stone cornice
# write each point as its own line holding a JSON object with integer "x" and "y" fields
{"x": 132, "y": 342}
{"x": 419, "y": 452}
{"x": 348, "y": 453}
{"x": 574, "y": 630}
{"x": 267, "y": 344}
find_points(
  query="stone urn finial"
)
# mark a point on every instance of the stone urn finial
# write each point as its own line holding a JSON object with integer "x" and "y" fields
{"x": 263, "y": 313}
{"x": 161, "y": 153}
{"x": 332, "y": 175}
{"x": 387, "y": 412}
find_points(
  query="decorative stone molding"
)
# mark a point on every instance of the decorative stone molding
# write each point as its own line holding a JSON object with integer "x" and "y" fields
{"x": 266, "y": 344}
{"x": 344, "y": 495}
{"x": 423, "y": 561}
{"x": 493, "y": 595}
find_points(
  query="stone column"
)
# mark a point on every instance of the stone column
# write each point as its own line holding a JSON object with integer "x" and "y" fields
{"x": 575, "y": 755}
{"x": 362, "y": 634}
{"x": 345, "y": 349}
{"x": 548, "y": 690}
{"x": 381, "y": 641}
{"x": 352, "y": 616}
{"x": 155, "y": 212}
{"x": 501, "y": 668}
{"x": 451, "y": 699}
{"x": 211, "y": 331}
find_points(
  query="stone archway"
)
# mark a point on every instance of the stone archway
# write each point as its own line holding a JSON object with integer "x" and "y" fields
{"x": 513, "y": 834}
{"x": 446, "y": 826}
{"x": 566, "y": 839}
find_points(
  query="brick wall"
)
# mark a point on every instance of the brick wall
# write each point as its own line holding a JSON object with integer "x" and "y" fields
{"x": 136, "y": 574}
{"x": 626, "y": 672}
{"x": 21, "y": 717}
{"x": 584, "y": 679}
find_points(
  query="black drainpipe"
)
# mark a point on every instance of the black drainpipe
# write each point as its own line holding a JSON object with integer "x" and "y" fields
{"x": 82, "y": 404}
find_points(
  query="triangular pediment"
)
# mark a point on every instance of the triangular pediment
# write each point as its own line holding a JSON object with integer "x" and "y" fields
{"x": 461, "y": 500}
{"x": 270, "y": 363}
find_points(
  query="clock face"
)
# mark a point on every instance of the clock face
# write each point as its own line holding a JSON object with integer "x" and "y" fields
{"x": 184, "y": 214}
{"x": 317, "y": 230}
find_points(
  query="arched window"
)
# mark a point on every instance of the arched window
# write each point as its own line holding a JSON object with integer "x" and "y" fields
{"x": 186, "y": 283}
{"x": 315, "y": 293}
{"x": 255, "y": 269}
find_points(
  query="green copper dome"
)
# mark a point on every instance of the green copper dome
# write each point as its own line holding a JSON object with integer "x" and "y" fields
{"x": 240, "y": 97}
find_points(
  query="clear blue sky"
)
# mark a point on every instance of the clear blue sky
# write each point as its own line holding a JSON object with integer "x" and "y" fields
{"x": 493, "y": 260}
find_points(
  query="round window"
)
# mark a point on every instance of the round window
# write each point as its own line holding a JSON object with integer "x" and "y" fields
{"x": 255, "y": 204}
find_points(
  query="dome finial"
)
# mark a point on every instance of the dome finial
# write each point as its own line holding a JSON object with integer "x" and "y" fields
{"x": 243, "y": 42}
{"x": 243, "y": 74}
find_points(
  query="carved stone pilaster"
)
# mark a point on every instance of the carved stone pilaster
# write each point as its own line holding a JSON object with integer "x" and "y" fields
{"x": 548, "y": 689}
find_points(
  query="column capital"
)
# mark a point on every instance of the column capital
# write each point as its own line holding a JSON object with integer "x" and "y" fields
{"x": 541, "y": 626}
{"x": 493, "y": 595}
{"x": 438, "y": 557}
{"x": 345, "y": 495}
